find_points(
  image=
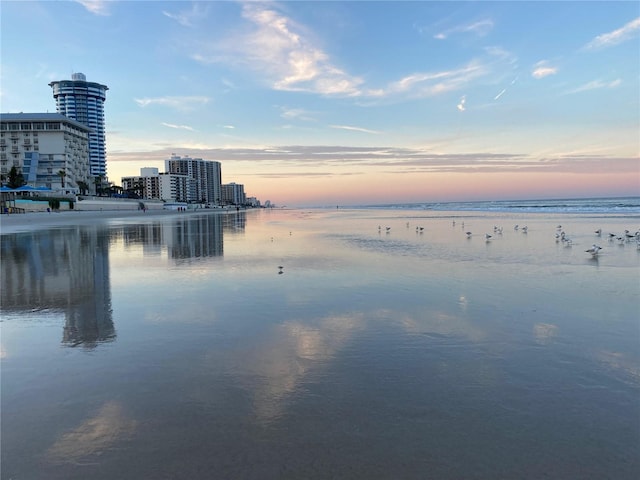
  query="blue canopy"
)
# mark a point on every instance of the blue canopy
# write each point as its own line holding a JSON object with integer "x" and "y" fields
{"x": 25, "y": 188}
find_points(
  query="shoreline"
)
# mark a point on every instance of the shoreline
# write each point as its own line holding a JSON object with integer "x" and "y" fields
{"x": 31, "y": 221}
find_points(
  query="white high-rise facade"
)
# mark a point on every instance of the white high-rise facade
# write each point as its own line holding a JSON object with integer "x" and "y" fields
{"x": 83, "y": 102}
{"x": 205, "y": 177}
{"x": 41, "y": 146}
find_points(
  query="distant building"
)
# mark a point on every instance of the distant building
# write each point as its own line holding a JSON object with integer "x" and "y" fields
{"x": 253, "y": 202}
{"x": 204, "y": 178}
{"x": 174, "y": 187}
{"x": 84, "y": 102}
{"x": 233, "y": 193}
{"x": 152, "y": 185}
{"x": 41, "y": 146}
{"x": 145, "y": 187}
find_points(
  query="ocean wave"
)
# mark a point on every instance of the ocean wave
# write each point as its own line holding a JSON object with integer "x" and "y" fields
{"x": 624, "y": 205}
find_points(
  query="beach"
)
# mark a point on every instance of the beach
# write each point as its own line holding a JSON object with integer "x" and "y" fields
{"x": 19, "y": 222}
{"x": 320, "y": 343}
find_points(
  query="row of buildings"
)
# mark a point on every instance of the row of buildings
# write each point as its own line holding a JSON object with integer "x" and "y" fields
{"x": 191, "y": 180}
{"x": 66, "y": 152}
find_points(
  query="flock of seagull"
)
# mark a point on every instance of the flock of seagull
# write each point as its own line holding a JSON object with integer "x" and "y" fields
{"x": 561, "y": 236}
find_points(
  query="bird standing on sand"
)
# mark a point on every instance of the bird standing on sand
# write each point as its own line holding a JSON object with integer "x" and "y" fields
{"x": 594, "y": 250}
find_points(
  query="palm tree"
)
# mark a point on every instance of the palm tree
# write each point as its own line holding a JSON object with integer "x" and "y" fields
{"x": 83, "y": 186}
{"x": 98, "y": 181}
{"x": 16, "y": 179}
{"x": 62, "y": 174}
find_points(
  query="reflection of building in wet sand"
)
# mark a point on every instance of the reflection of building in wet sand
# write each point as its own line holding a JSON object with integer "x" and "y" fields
{"x": 199, "y": 236}
{"x": 191, "y": 236}
{"x": 60, "y": 270}
{"x": 236, "y": 222}
{"x": 148, "y": 235}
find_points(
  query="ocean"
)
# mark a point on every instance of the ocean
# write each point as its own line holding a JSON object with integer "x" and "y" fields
{"x": 617, "y": 205}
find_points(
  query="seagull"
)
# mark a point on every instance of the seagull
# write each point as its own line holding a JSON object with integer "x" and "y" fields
{"x": 594, "y": 250}
{"x": 599, "y": 232}
{"x": 525, "y": 229}
{"x": 468, "y": 234}
{"x": 516, "y": 227}
{"x": 487, "y": 237}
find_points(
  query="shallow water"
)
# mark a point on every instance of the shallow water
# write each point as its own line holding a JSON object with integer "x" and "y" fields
{"x": 177, "y": 348}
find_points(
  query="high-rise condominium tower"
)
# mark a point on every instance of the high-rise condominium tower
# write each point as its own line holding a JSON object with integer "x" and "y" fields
{"x": 83, "y": 102}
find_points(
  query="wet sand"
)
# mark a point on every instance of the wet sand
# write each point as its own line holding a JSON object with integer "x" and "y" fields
{"x": 178, "y": 347}
{"x": 21, "y": 222}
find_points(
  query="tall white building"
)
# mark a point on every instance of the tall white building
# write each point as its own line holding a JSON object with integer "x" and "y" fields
{"x": 41, "y": 146}
{"x": 233, "y": 193}
{"x": 84, "y": 102}
{"x": 205, "y": 178}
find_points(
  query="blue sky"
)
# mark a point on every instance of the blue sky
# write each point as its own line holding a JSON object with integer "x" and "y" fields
{"x": 351, "y": 102}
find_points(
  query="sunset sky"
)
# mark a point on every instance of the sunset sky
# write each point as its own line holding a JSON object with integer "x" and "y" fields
{"x": 323, "y": 103}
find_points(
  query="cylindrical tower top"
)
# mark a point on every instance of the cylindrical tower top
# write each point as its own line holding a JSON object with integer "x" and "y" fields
{"x": 79, "y": 76}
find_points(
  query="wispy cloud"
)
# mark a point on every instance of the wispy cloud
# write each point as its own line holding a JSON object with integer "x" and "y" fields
{"x": 461, "y": 103}
{"x": 595, "y": 85}
{"x": 434, "y": 83}
{"x": 295, "y": 114}
{"x": 97, "y": 7}
{"x": 479, "y": 28}
{"x": 187, "y": 18}
{"x": 283, "y": 51}
{"x": 178, "y": 127}
{"x": 178, "y": 103}
{"x": 355, "y": 129}
{"x": 543, "y": 69}
{"x": 395, "y": 159}
{"x": 627, "y": 32}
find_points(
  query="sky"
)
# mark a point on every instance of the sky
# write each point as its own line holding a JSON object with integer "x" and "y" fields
{"x": 350, "y": 103}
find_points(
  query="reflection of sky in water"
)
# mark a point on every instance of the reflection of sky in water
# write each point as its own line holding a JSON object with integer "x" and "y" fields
{"x": 387, "y": 353}
{"x": 94, "y": 435}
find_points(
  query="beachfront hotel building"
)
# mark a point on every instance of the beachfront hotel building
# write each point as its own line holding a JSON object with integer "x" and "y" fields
{"x": 205, "y": 178}
{"x": 233, "y": 194}
{"x": 152, "y": 185}
{"x": 49, "y": 149}
{"x": 84, "y": 102}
